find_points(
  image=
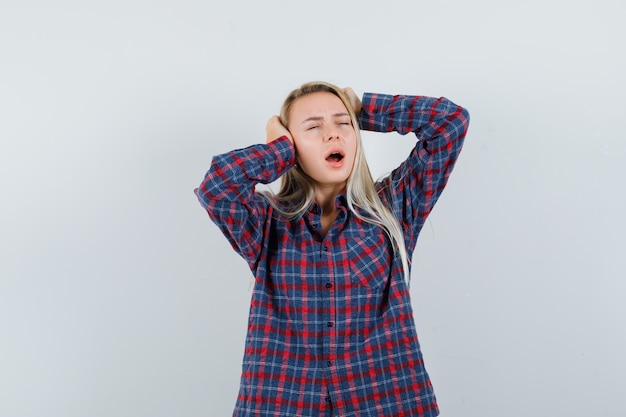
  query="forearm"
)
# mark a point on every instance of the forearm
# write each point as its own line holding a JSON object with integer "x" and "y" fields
{"x": 427, "y": 117}
{"x": 228, "y": 192}
{"x": 233, "y": 175}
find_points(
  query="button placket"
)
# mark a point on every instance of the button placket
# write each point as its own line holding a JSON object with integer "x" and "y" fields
{"x": 327, "y": 259}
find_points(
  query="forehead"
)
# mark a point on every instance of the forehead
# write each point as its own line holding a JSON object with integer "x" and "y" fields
{"x": 316, "y": 104}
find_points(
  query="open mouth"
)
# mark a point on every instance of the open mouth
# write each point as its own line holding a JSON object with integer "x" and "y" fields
{"x": 334, "y": 157}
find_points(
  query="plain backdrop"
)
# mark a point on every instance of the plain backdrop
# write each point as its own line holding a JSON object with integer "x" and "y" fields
{"x": 119, "y": 297}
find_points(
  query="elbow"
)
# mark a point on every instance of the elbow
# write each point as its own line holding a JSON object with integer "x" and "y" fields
{"x": 462, "y": 120}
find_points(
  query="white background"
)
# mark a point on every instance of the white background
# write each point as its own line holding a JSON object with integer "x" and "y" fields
{"x": 119, "y": 297}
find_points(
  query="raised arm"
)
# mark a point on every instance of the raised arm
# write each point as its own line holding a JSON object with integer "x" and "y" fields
{"x": 228, "y": 192}
{"x": 414, "y": 187}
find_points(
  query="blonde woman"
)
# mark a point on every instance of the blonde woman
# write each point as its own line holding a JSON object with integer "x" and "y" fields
{"x": 331, "y": 328}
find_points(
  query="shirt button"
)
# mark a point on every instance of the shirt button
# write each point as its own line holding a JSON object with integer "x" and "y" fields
{"x": 329, "y": 285}
{"x": 329, "y": 363}
{"x": 325, "y": 248}
{"x": 329, "y": 324}
{"x": 327, "y": 399}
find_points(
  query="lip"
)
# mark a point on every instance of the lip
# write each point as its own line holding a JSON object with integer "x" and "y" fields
{"x": 335, "y": 164}
{"x": 333, "y": 150}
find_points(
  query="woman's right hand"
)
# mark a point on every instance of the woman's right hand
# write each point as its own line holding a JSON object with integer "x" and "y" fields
{"x": 275, "y": 129}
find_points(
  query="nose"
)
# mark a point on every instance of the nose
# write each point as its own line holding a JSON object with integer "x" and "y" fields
{"x": 330, "y": 132}
{"x": 331, "y": 135}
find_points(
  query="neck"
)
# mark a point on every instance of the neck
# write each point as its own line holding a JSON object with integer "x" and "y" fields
{"x": 325, "y": 197}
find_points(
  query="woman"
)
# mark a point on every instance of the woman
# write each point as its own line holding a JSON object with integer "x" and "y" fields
{"x": 331, "y": 329}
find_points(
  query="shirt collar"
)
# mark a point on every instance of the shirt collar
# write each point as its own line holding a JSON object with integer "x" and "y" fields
{"x": 341, "y": 202}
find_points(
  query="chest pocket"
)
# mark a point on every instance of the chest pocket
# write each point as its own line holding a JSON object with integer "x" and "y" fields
{"x": 370, "y": 260}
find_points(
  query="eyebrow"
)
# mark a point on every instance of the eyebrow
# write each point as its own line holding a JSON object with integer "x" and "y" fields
{"x": 318, "y": 118}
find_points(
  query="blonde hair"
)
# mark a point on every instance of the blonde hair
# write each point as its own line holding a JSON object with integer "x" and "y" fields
{"x": 297, "y": 193}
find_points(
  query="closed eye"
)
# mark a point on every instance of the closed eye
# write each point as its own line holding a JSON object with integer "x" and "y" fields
{"x": 343, "y": 121}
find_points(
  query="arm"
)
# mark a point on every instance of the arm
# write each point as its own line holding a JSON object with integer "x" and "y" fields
{"x": 414, "y": 187}
{"x": 227, "y": 192}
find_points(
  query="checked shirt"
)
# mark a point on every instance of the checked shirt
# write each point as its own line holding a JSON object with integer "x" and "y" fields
{"x": 331, "y": 324}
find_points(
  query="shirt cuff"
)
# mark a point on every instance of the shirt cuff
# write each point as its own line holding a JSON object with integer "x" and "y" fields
{"x": 283, "y": 155}
{"x": 374, "y": 114}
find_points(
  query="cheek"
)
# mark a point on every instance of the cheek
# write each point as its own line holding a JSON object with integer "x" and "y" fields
{"x": 353, "y": 147}
{"x": 302, "y": 144}
{"x": 301, "y": 153}
{"x": 297, "y": 144}
{"x": 299, "y": 141}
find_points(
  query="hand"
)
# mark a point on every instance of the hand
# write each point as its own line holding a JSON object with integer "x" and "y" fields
{"x": 355, "y": 101}
{"x": 275, "y": 129}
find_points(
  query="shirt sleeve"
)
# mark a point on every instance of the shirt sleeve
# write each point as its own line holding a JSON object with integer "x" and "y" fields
{"x": 413, "y": 188}
{"x": 228, "y": 192}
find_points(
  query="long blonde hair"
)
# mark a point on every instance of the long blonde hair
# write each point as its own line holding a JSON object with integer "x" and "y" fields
{"x": 297, "y": 192}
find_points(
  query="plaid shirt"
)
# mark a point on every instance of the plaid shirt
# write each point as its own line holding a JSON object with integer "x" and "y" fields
{"x": 331, "y": 325}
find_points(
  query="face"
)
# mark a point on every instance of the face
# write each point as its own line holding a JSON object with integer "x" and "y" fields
{"x": 324, "y": 138}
